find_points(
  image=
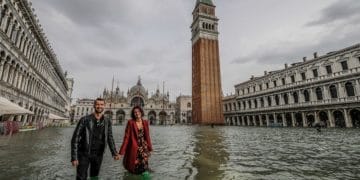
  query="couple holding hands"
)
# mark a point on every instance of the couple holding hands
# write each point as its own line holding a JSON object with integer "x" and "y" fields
{"x": 94, "y": 132}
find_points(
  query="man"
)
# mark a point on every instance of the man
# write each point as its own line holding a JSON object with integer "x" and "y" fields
{"x": 89, "y": 140}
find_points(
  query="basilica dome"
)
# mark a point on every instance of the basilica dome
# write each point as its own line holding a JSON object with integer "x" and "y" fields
{"x": 138, "y": 88}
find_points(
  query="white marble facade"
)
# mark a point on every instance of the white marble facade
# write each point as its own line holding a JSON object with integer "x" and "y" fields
{"x": 324, "y": 90}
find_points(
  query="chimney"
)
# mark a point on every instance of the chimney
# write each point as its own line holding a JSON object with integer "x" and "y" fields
{"x": 315, "y": 55}
{"x": 304, "y": 59}
{"x": 252, "y": 77}
{"x": 286, "y": 65}
{"x": 265, "y": 73}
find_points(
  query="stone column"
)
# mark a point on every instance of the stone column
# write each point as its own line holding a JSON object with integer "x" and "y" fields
{"x": 4, "y": 21}
{"x": 275, "y": 119}
{"x": 312, "y": 95}
{"x": 254, "y": 120}
{"x": 267, "y": 120}
{"x": 260, "y": 119}
{"x": 11, "y": 75}
{"x": 347, "y": 119}
{"x": 9, "y": 30}
{"x": 248, "y": 120}
{"x": 19, "y": 80}
{"x": 5, "y": 73}
{"x": 316, "y": 116}
{"x": 14, "y": 35}
{"x": 242, "y": 121}
{"x": 331, "y": 118}
{"x": 293, "y": 119}
{"x": 357, "y": 88}
{"x": 290, "y": 98}
{"x": 341, "y": 92}
{"x": 304, "y": 119}
{"x": 15, "y": 78}
{"x": 326, "y": 92}
{"x": 284, "y": 119}
{"x": 1, "y": 67}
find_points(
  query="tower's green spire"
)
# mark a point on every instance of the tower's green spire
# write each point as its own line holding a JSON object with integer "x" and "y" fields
{"x": 209, "y": 2}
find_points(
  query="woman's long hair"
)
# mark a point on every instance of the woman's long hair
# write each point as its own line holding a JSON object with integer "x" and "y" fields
{"x": 133, "y": 112}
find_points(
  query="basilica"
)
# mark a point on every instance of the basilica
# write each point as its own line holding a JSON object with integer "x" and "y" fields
{"x": 157, "y": 107}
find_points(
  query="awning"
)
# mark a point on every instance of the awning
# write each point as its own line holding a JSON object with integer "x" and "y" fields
{"x": 54, "y": 116}
{"x": 8, "y": 107}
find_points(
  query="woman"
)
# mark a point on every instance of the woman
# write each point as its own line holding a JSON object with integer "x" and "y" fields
{"x": 136, "y": 146}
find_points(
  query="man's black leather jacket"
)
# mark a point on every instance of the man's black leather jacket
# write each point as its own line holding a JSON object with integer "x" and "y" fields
{"x": 81, "y": 139}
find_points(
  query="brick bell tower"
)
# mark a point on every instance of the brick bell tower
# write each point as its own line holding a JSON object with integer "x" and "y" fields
{"x": 206, "y": 78}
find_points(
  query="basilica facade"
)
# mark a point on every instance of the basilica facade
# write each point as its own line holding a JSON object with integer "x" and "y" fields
{"x": 30, "y": 74}
{"x": 322, "y": 91}
{"x": 157, "y": 107}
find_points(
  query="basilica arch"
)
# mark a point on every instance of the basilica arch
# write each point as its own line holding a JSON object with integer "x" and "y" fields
{"x": 120, "y": 116}
{"x": 152, "y": 117}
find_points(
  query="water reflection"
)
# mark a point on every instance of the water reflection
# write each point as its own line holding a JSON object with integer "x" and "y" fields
{"x": 210, "y": 153}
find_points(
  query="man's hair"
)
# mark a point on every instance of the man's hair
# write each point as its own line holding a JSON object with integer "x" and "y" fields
{"x": 133, "y": 112}
{"x": 99, "y": 99}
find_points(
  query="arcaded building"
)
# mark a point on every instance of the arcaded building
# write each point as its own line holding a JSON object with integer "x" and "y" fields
{"x": 322, "y": 91}
{"x": 30, "y": 73}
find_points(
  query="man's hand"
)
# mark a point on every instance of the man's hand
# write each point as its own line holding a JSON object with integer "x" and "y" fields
{"x": 75, "y": 163}
{"x": 117, "y": 157}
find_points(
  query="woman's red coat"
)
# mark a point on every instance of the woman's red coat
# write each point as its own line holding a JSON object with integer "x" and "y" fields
{"x": 129, "y": 146}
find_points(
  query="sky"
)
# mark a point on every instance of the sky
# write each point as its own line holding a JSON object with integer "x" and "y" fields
{"x": 97, "y": 41}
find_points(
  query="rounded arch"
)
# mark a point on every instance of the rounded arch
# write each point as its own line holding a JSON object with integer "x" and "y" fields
{"x": 339, "y": 119}
{"x": 120, "y": 116}
{"x": 286, "y": 98}
{"x": 162, "y": 117}
{"x": 108, "y": 114}
{"x": 324, "y": 119}
{"x": 310, "y": 120}
{"x": 349, "y": 89}
{"x": 263, "y": 119}
{"x": 279, "y": 119}
{"x": 257, "y": 120}
{"x": 306, "y": 95}
{"x": 137, "y": 101}
{"x": 298, "y": 120}
{"x": 288, "y": 120}
{"x": 318, "y": 92}
{"x": 152, "y": 117}
{"x": 355, "y": 117}
{"x": 333, "y": 91}
{"x": 296, "y": 97}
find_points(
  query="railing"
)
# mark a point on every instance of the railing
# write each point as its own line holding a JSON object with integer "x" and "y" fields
{"x": 300, "y": 104}
{"x": 307, "y": 81}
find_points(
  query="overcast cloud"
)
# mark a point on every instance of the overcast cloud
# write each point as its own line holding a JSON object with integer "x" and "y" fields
{"x": 98, "y": 40}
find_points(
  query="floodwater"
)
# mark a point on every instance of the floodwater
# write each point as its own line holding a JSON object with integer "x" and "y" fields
{"x": 197, "y": 152}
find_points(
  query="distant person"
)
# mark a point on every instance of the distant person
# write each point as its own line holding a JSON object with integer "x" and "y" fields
{"x": 136, "y": 146}
{"x": 89, "y": 140}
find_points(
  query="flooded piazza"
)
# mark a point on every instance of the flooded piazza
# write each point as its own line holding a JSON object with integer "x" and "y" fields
{"x": 197, "y": 152}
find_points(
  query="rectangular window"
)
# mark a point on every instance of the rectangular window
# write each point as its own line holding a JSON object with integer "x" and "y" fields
{"x": 303, "y": 76}
{"x": 328, "y": 69}
{"x": 274, "y": 83}
{"x": 248, "y": 90}
{"x": 283, "y": 81}
{"x": 292, "y": 78}
{"x": 315, "y": 72}
{"x": 344, "y": 65}
{"x": 254, "y": 88}
{"x": 260, "y": 87}
{"x": 267, "y": 85}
